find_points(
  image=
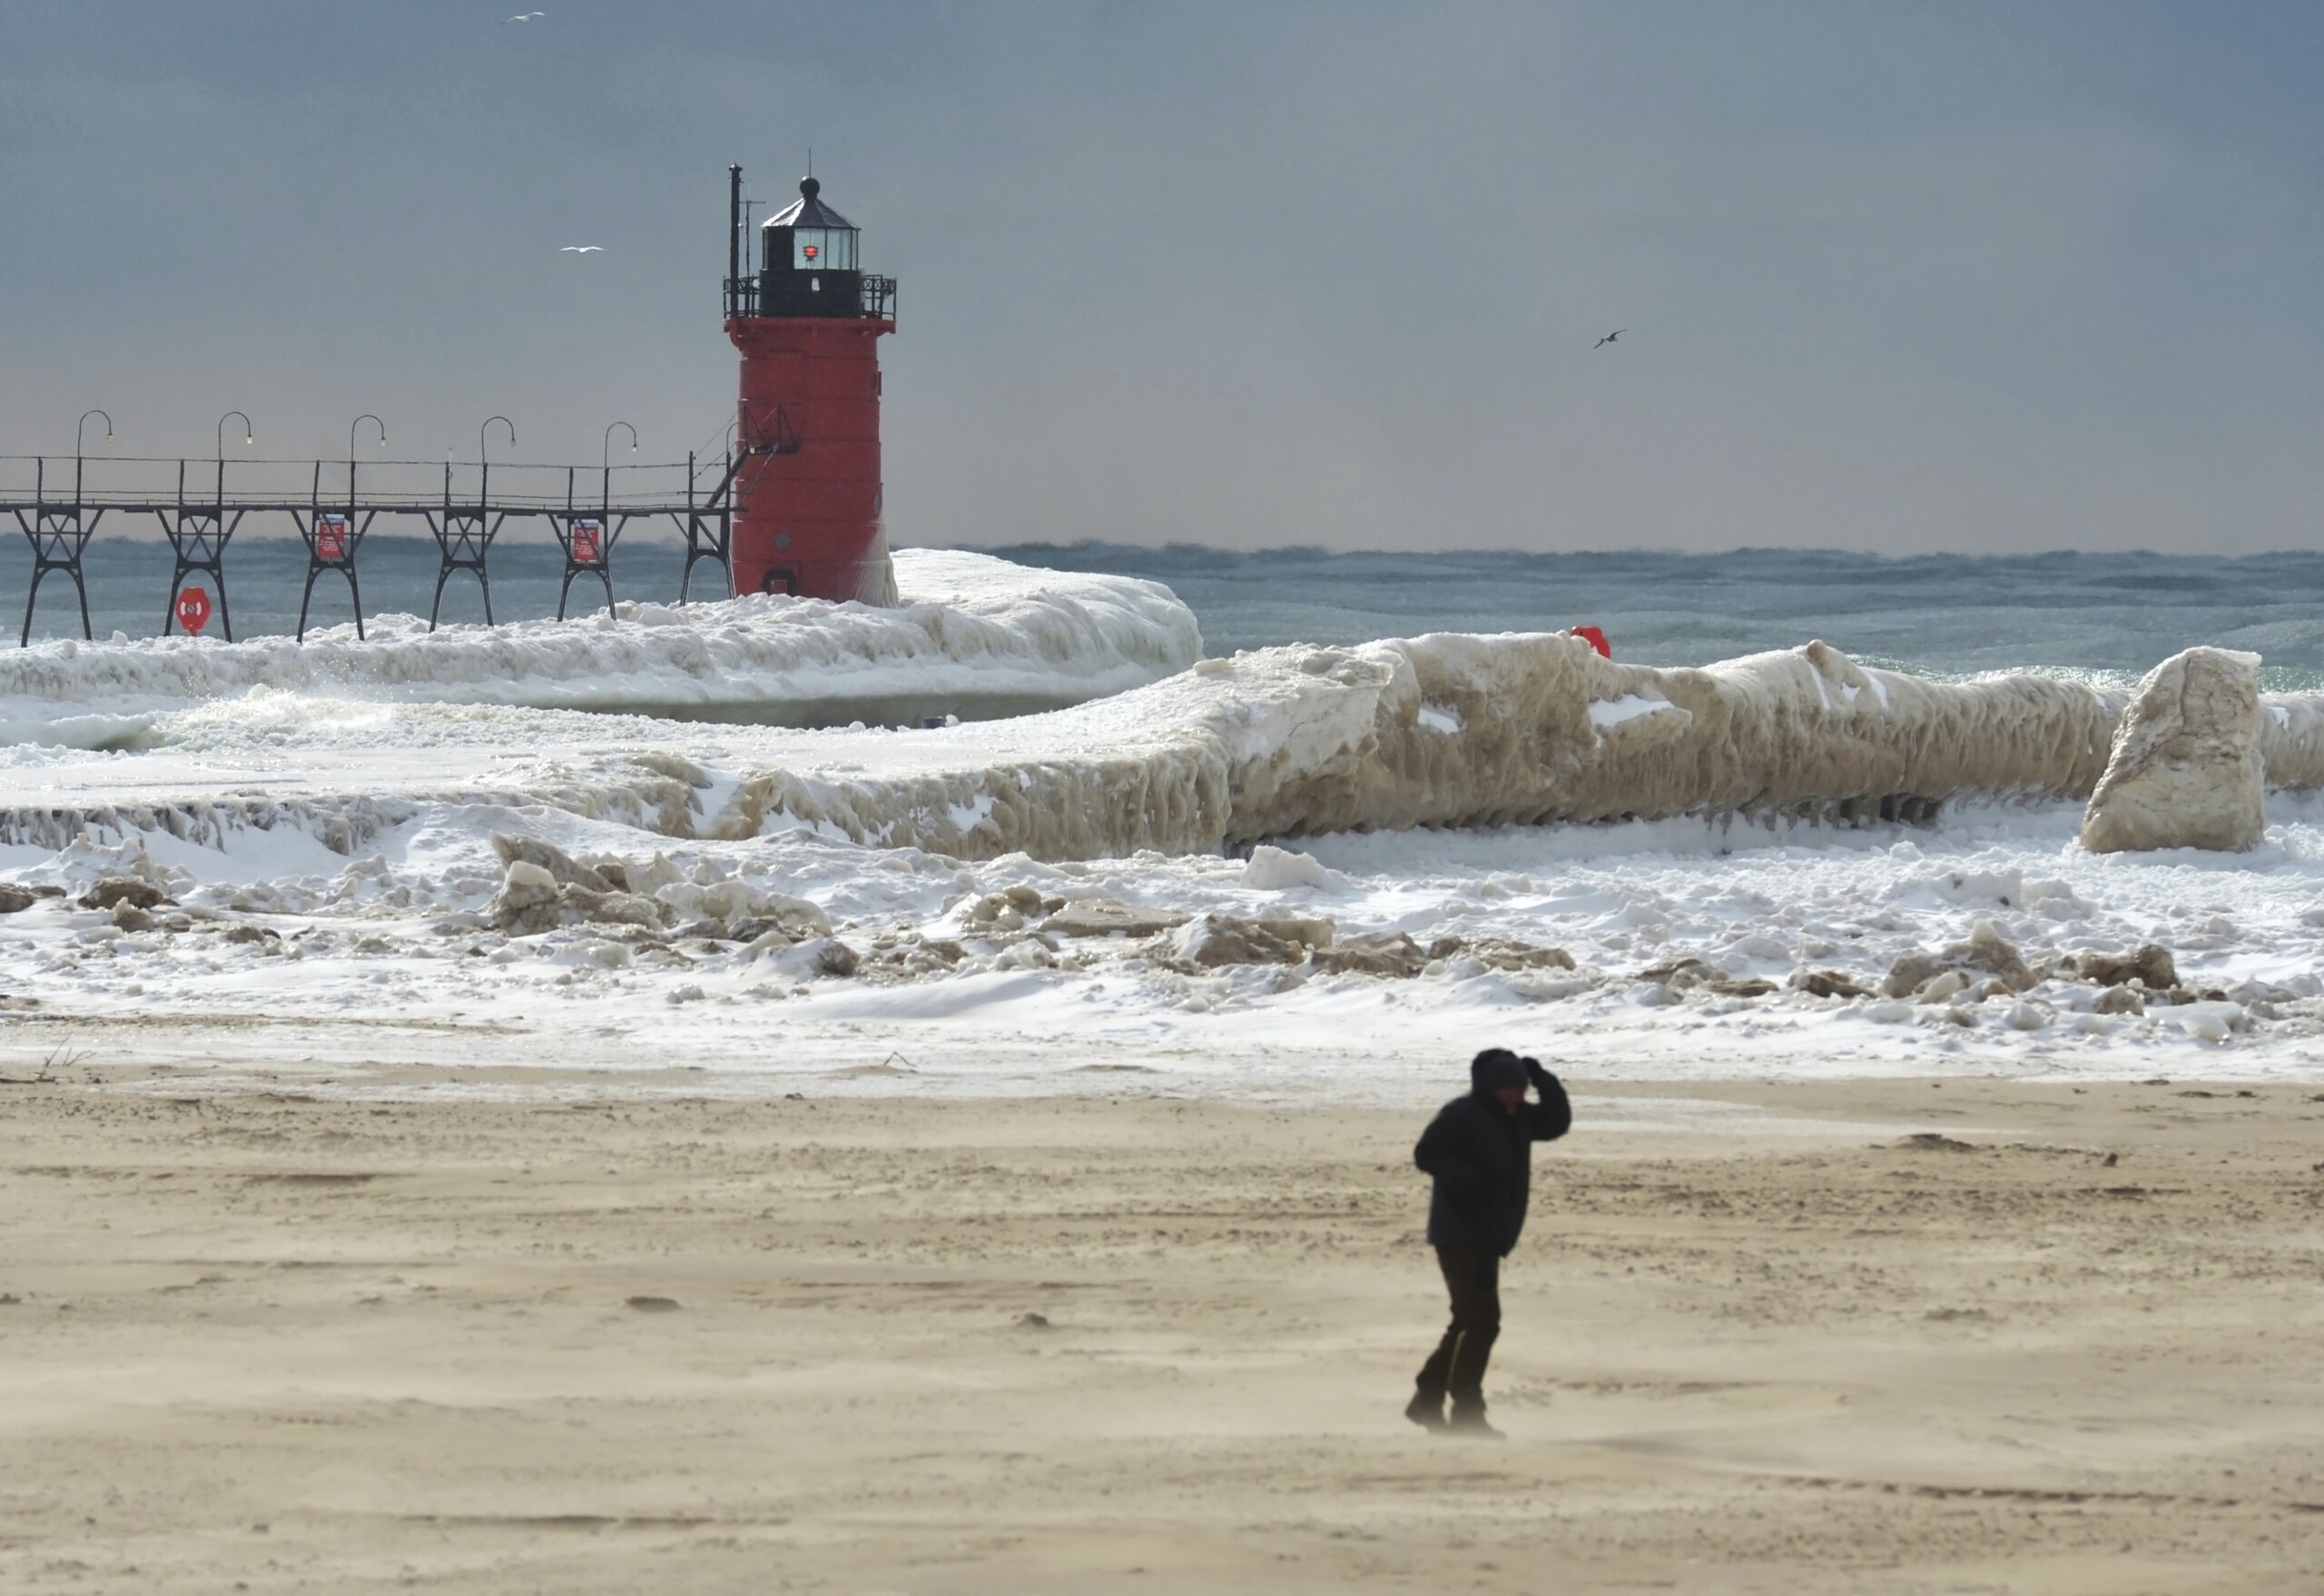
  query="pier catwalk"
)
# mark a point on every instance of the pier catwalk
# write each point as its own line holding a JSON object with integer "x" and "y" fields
{"x": 60, "y": 503}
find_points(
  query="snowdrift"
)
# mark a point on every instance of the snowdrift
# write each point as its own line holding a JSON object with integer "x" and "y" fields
{"x": 971, "y": 628}
{"x": 1436, "y": 731}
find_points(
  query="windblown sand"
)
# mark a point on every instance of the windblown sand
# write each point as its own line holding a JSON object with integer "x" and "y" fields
{"x": 591, "y": 1337}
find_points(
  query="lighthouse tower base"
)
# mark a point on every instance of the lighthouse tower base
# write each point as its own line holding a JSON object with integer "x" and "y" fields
{"x": 807, "y": 498}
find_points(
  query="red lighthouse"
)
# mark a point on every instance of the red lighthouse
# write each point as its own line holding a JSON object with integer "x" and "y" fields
{"x": 807, "y": 492}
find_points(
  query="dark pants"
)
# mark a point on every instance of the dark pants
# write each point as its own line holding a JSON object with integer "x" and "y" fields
{"x": 1457, "y": 1367}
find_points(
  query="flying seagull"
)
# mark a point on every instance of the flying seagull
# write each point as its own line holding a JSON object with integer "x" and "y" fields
{"x": 525, "y": 16}
{"x": 1609, "y": 338}
{"x": 581, "y": 249}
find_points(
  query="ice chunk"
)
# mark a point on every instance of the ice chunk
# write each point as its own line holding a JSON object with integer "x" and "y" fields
{"x": 1108, "y": 917}
{"x": 559, "y": 865}
{"x": 2027, "y": 1015}
{"x": 2004, "y": 887}
{"x": 1218, "y": 940}
{"x": 1388, "y": 953}
{"x": 527, "y": 899}
{"x": 1272, "y": 869}
{"x": 1987, "y": 953}
{"x": 821, "y": 956}
{"x": 2211, "y": 1021}
{"x": 2186, "y": 768}
{"x": 2151, "y": 966}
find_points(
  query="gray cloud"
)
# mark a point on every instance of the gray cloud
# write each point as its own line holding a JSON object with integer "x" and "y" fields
{"x": 1953, "y": 278}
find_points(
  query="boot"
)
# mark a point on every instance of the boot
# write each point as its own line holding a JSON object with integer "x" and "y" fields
{"x": 1426, "y": 1410}
{"x": 1469, "y": 1423}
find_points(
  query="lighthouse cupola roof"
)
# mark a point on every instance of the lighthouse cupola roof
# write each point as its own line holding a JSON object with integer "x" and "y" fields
{"x": 809, "y": 210}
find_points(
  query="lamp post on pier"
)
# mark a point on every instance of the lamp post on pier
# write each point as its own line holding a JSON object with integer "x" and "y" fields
{"x": 77, "y": 432}
{"x": 604, "y": 465}
{"x": 351, "y": 426}
{"x": 349, "y": 532}
{"x": 250, "y": 436}
{"x": 484, "y": 476}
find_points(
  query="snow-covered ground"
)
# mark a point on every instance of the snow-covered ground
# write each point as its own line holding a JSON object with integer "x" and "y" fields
{"x": 401, "y": 940}
{"x": 1154, "y": 887}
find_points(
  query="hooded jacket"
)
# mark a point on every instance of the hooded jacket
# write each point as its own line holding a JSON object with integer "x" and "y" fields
{"x": 1482, "y": 1156}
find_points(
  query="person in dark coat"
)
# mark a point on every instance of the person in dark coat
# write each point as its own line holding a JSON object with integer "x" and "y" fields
{"x": 1479, "y": 1151}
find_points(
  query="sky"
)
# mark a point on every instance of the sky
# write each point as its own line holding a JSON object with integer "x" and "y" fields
{"x": 1908, "y": 277}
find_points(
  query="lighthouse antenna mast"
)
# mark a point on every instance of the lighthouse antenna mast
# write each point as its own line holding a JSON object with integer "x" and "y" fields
{"x": 734, "y": 240}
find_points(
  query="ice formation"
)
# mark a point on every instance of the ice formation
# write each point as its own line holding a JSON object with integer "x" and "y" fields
{"x": 1283, "y": 742}
{"x": 1273, "y": 744}
{"x": 971, "y": 627}
{"x": 2186, "y": 770}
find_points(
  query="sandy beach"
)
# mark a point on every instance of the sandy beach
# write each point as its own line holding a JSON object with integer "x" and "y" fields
{"x": 578, "y": 1333}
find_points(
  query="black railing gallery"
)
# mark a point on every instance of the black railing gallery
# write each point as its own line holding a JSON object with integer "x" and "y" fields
{"x": 878, "y": 301}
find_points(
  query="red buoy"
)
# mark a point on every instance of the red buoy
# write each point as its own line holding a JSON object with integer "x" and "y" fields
{"x": 808, "y": 321}
{"x": 194, "y": 609}
{"x": 1596, "y": 639}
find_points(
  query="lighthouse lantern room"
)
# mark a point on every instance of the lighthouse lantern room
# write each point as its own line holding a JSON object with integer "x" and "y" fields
{"x": 808, "y": 321}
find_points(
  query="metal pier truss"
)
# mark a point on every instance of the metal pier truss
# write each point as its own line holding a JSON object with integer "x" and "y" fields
{"x": 198, "y": 536}
{"x": 334, "y": 505}
{"x": 464, "y": 542}
{"x": 59, "y": 532}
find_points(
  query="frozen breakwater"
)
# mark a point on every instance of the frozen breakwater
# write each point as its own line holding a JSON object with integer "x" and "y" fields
{"x": 971, "y": 628}
{"x": 1448, "y": 731}
{"x": 1454, "y": 731}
